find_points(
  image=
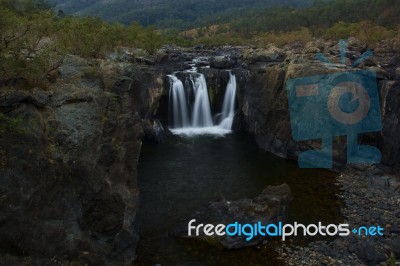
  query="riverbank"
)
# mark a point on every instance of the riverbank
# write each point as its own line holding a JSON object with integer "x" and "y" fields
{"x": 372, "y": 198}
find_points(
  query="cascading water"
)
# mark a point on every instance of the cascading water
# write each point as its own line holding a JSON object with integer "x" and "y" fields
{"x": 201, "y": 122}
{"x": 228, "y": 107}
{"x": 201, "y": 111}
{"x": 178, "y": 102}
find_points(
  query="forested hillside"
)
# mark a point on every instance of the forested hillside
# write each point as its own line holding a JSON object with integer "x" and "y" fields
{"x": 320, "y": 14}
{"x": 167, "y": 13}
{"x": 368, "y": 20}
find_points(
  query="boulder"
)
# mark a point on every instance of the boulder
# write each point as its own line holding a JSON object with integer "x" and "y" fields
{"x": 271, "y": 206}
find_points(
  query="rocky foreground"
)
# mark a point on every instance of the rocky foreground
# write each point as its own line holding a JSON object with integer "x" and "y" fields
{"x": 68, "y": 186}
{"x": 371, "y": 198}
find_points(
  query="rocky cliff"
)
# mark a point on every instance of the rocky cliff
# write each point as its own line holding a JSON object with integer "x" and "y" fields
{"x": 264, "y": 104}
{"x": 68, "y": 176}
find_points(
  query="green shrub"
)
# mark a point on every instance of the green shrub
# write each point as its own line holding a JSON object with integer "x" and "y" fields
{"x": 364, "y": 31}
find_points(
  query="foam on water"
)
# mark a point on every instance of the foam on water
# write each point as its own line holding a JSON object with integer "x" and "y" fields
{"x": 196, "y": 131}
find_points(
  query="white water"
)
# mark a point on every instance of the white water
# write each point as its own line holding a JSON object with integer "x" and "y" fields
{"x": 195, "y": 131}
{"x": 179, "y": 104}
{"x": 201, "y": 111}
{"x": 201, "y": 119}
{"x": 228, "y": 107}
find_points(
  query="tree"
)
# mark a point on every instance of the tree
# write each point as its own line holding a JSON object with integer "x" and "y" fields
{"x": 151, "y": 40}
{"x": 26, "y": 51}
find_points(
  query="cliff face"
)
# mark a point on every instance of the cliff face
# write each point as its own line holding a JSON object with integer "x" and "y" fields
{"x": 68, "y": 178}
{"x": 389, "y": 139}
{"x": 264, "y": 103}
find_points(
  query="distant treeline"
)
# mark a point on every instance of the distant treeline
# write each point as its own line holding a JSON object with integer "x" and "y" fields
{"x": 368, "y": 20}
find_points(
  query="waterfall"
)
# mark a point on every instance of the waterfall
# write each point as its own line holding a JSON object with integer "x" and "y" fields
{"x": 200, "y": 121}
{"x": 179, "y": 104}
{"x": 228, "y": 107}
{"x": 201, "y": 110}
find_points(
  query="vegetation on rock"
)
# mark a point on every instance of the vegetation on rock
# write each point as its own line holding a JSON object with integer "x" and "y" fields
{"x": 34, "y": 40}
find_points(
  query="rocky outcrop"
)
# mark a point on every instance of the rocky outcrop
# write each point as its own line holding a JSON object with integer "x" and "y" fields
{"x": 263, "y": 101}
{"x": 271, "y": 206}
{"x": 68, "y": 180}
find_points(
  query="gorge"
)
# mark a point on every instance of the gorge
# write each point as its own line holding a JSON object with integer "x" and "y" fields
{"x": 207, "y": 161}
{"x": 72, "y": 168}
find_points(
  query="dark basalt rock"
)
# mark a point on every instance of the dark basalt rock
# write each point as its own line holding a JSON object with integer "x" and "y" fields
{"x": 154, "y": 130}
{"x": 222, "y": 62}
{"x": 389, "y": 142}
{"x": 271, "y": 206}
{"x": 264, "y": 107}
{"x": 107, "y": 154}
{"x": 68, "y": 192}
{"x": 10, "y": 100}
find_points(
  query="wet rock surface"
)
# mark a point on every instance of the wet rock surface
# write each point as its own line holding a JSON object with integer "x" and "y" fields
{"x": 271, "y": 206}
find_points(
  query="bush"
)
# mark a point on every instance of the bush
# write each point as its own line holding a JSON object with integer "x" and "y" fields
{"x": 364, "y": 31}
{"x": 280, "y": 39}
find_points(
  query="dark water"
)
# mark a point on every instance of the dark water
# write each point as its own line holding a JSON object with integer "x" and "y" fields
{"x": 180, "y": 176}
